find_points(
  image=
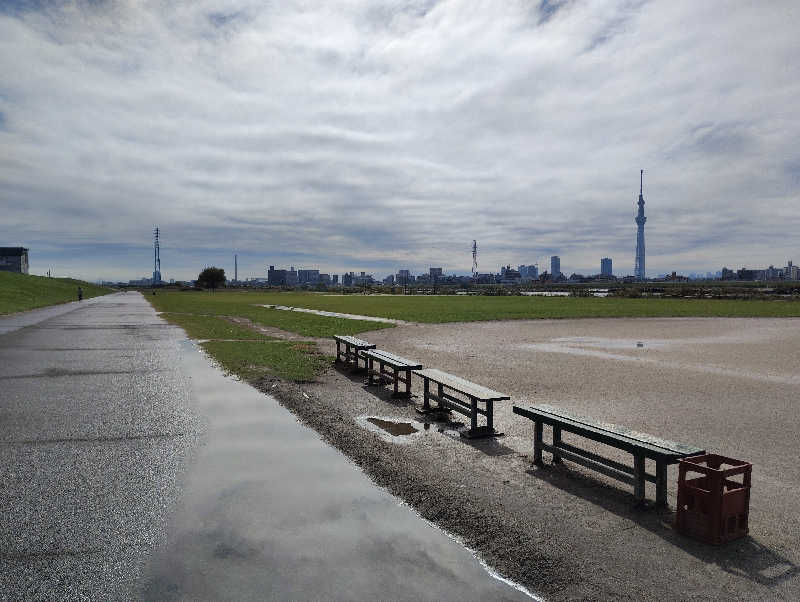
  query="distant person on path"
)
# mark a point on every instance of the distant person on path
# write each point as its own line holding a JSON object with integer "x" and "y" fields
{"x": 80, "y": 294}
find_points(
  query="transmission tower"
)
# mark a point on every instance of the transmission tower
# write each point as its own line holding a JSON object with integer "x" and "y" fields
{"x": 156, "y": 259}
{"x": 474, "y": 258}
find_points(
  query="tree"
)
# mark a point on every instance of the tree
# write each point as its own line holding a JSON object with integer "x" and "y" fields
{"x": 211, "y": 278}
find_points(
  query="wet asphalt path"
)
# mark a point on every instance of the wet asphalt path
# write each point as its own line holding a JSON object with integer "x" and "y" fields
{"x": 95, "y": 424}
{"x": 131, "y": 469}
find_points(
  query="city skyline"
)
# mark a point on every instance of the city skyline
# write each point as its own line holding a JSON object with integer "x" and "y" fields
{"x": 379, "y": 135}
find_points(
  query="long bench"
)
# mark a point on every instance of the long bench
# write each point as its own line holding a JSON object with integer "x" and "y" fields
{"x": 400, "y": 366}
{"x": 640, "y": 445}
{"x": 475, "y": 394}
{"x": 352, "y": 347}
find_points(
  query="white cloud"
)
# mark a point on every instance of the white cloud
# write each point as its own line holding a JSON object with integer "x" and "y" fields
{"x": 376, "y": 135}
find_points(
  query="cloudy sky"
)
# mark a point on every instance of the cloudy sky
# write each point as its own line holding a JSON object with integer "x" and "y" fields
{"x": 376, "y": 135}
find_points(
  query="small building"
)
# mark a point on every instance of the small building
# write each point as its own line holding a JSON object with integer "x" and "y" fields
{"x": 14, "y": 259}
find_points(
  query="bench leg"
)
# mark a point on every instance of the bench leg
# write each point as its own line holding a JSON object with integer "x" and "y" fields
{"x": 638, "y": 476}
{"x": 370, "y": 367}
{"x": 426, "y": 405}
{"x": 490, "y": 415}
{"x": 408, "y": 383}
{"x": 556, "y": 441}
{"x": 440, "y": 389}
{"x": 395, "y": 383}
{"x": 537, "y": 443}
{"x": 474, "y": 417}
{"x": 338, "y": 352}
{"x": 661, "y": 484}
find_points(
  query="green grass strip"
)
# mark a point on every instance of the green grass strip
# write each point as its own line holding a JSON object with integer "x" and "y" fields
{"x": 209, "y": 327}
{"x": 452, "y": 308}
{"x": 251, "y": 360}
{"x": 246, "y": 305}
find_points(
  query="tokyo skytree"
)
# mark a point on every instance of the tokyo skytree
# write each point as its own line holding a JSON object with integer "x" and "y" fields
{"x": 639, "y": 271}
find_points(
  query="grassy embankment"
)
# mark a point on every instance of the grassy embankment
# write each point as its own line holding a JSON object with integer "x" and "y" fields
{"x": 244, "y": 351}
{"x": 21, "y": 292}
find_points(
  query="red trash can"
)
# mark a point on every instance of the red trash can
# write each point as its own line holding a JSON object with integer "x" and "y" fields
{"x": 712, "y": 507}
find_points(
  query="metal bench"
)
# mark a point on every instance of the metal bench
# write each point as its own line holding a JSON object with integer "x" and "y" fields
{"x": 352, "y": 347}
{"x": 475, "y": 394}
{"x": 640, "y": 445}
{"x": 396, "y": 363}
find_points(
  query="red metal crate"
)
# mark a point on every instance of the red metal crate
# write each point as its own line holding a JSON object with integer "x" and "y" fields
{"x": 712, "y": 507}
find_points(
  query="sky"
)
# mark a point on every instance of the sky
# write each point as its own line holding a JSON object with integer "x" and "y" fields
{"x": 377, "y": 135}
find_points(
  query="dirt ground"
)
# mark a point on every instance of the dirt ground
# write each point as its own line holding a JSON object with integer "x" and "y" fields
{"x": 728, "y": 385}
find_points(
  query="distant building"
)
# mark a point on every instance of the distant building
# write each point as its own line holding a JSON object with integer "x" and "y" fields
{"x": 347, "y": 279}
{"x": 324, "y": 279}
{"x": 363, "y": 280}
{"x": 605, "y": 267}
{"x": 790, "y": 272}
{"x": 436, "y": 274}
{"x": 335, "y": 279}
{"x": 404, "y": 277}
{"x": 15, "y": 259}
{"x": 276, "y": 277}
{"x": 528, "y": 272}
{"x": 389, "y": 280}
{"x": 291, "y": 277}
{"x": 509, "y": 275}
{"x": 308, "y": 276}
{"x": 555, "y": 267}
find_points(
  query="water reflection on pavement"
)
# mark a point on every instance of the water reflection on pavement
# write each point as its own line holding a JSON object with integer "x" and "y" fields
{"x": 271, "y": 512}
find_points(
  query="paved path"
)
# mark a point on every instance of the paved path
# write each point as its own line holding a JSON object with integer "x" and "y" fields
{"x": 95, "y": 424}
{"x": 131, "y": 469}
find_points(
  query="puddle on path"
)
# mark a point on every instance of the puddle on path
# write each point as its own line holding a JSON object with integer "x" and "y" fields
{"x": 269, "y": 511}
{"x": 395, "y": 429}
{"x": 333, "y": 314}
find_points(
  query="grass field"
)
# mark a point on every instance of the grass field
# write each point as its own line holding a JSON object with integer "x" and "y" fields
{"x": 246, "y": 305}
{"x": 199, "y": 313}
{"x": 244, "y": 351}
{"x": 208, "y": 327}
{"x": 252, "y": 360}
{"x": 20, "y": 292}
{"x": 451, "y": 308}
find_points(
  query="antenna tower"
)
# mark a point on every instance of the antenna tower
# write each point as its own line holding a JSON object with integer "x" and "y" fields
{"x": 474, "y": 258}
{"x": 156, "y": 258}
{"x": 639, "y": 268}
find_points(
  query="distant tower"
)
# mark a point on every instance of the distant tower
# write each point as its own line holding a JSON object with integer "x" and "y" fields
{"x": 156, "y": 259}
{"x": 605, "y": 267}
{"x": 236, "y": 268}
{"x": 639, "y": 271}
{"x": 474, "y": 258}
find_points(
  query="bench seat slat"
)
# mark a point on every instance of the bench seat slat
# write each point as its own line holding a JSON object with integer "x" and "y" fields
{"x": 393, "y": 360}
{"x": 354, "y": 341}
{"x": 461, "y": 385}
{"x": 672, "y": 446}
{"x": 607, "y": 433}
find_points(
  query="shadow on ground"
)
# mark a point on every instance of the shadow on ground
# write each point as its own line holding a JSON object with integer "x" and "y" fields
{"x": 745, "y": 557}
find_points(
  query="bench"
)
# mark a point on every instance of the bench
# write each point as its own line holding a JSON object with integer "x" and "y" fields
{"x": 396, "y": 363}
{"x": 640, "y": 445}
{"x": 352, "y": 347}
{"x": 446, "y": 402}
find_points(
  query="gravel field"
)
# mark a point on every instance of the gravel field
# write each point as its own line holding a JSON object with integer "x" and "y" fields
{"x": 728, "y": 385}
